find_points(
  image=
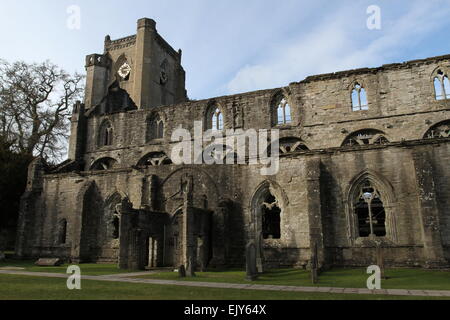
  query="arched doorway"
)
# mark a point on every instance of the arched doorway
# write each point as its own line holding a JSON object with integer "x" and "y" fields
{"x": 173, "y": 240}
{"x": 267, "y": 205}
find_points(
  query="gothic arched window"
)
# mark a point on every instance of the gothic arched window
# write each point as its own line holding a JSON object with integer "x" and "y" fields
{"x": 359, "y": 98}
{"x": 106, "y": 134}
{"x": 440, "y": 130}
{"x": 370, "y": 211}
{"x": 103, "y": 164}
{"x": 365, "y": 137}
{"x": 441, "y": 86}
{"x": 155, "y": 128}
{"x": 215, "y": 119}
{"x": 271, "y": 218}
{"x": 154, "y": 159}
{"x": 284, "y": 112}
{"x": 116, "y": 226}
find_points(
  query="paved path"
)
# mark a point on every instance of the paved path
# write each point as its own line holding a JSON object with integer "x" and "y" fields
{"x": 122, "y": 278}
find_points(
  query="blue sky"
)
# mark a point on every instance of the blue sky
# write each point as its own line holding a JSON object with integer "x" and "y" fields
{"x": 234, "y": 46}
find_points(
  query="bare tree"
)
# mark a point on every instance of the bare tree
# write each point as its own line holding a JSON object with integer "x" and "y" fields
{"x": 35, "y": 106}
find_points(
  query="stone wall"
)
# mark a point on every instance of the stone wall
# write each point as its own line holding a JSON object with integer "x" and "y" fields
{"x": 313, "y": 187}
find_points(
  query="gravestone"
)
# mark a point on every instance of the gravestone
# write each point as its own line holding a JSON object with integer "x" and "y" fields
{"x": 182, "y": 272}
{"x": 250, "y": 257}
{"x": 201, "y": 259}
{"x": 2, "y": 256}
{"x": 260, "y": 255}
{"x": 49, "y": 262}
{"x": 190, "y": 271}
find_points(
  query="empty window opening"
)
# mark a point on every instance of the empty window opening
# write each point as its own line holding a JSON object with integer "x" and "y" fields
{"x": 366, "y": 137}
{"x": 104, "y": 164}
{"x": 359, "y": 98}
{"x": 217, "y": 120}
{"x": 284, "y": 112}
{"x": 442, "y": 86}
{"x": 271, "y": 218}
{"x": 369, "y": 209}
{"x": 441, "y": 130}
{"x": 155, "y": 129}
{"x": 155, "y": 159}
{"x": 106, "y": 134}
{"x": 116, "y": 227}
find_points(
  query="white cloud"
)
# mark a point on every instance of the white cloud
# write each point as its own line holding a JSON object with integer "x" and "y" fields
{"x": 337, "y": 44}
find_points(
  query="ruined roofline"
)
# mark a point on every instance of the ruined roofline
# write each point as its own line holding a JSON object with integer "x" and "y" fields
{"x": 116, "y": 44}
{"x": 390, "y": 66}
{"x": 329, "y": 76}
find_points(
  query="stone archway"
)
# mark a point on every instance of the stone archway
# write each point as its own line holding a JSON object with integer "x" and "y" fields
{"x": 267, "y": 209}
{"x": 173, "y": 240}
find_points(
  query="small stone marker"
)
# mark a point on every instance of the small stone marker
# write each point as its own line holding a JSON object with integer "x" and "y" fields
{"x": 182, "y": 272}
{"x": 2, "y": 256}
{"x": 250, "y": 256}
{"x": 190, "y": 272}
{"x": 49, "y": 262}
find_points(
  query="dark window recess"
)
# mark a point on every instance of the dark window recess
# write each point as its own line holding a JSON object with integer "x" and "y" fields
{"x": 271, "y": 218}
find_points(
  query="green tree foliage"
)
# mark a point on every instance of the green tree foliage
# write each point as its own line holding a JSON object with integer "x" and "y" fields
{"x": 13, "y": 179}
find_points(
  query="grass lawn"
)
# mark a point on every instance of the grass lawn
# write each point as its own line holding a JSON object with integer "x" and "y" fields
{"x": 34, "y": 288}
{"x": 87, "y": 269}
{"x": 413, "y": 279}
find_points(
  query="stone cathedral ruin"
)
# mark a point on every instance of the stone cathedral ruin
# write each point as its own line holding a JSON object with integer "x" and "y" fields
{"x": 364, "y": 162}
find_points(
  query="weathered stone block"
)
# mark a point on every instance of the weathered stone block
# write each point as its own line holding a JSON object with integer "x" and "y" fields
{"x": 49, "y": 262}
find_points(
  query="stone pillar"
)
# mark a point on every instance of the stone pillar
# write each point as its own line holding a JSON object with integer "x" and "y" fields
{"x": 77, "y": 141}
{"x": 219, "y": 238}
{"x": 28, "y": 208}
{"x": 250, "y": 261}
{"x": 97, "y": 66}
{"x": 428, "y": 210}
{"x": 188, "y": 239}
{"x": 149, "y": 194}
{"x": 146, "y": 33}
{"x": 315, "y": 209}
{"x": 130, "y": 242}
{"x": 153, "y": 192}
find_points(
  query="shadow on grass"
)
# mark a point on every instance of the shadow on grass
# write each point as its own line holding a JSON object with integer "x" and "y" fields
{"x": 413, "y": 279}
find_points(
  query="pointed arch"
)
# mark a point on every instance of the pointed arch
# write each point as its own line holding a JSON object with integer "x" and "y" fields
{"x": 112, "y": 215}
{"x": 371, "y": 203}
{"x": 154, "y": 159}
{"x": 103, "y": 164}
{"x": 268, "y": 200}
{"x": 441, "y": 84}
{"x": 155, "y": 127}
{"x": 214, "y": 117}
{"x": 281, "y": 109}
{"x": 105, "y": 134}
{"x": 359, "y": 97}
{"x": 439, "y": 130}
{"x": 365, "y": 137}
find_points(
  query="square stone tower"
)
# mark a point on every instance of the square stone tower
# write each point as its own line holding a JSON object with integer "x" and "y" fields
{"x": 144, "y": 65}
